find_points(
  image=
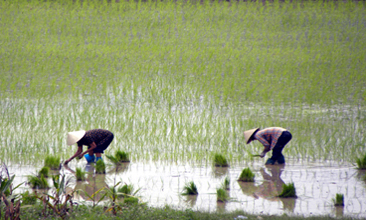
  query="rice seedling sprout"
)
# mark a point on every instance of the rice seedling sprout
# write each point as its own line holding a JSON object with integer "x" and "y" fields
{"x": 80, "y": 174}
{"x": 288, "y": 190}
{"x": 190, "y": 189}
{"x": 361, "y": 162}
{"x": 53, "y": 162}
{"x": 222, "y": 195}
{"x": 38, "y": 182}
{"x": 45, "y": 171}
{"x": 100, "y": 167}
{"x": 226, "y": 183}
{"x": 220, "y": 161}
{"x": 246, "y": 175}
{"x": 339, "y": 200}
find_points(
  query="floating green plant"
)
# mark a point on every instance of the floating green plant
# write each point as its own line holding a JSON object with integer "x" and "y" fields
{"x": 246, "y": 175}
{"x": 100, "y": 167}
{"x": 80, "y": 174}
{"x": 361, "y": 162}
{"x": 52, "y": 162}
{"x": 339, "y": 200}
{"x": 119, "y": 157}
{"x": 190, "y": 189}
{"x": 220, "y": 161}
{"x": 45, "y": 171}
{"x": 288, "y": 190}
{"x": 38, "y": 182}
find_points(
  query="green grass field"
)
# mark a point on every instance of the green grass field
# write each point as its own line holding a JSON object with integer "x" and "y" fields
{"x": 181, "y": 81}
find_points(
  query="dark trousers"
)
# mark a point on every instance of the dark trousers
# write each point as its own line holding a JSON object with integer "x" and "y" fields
{"x": 277, "y": 150}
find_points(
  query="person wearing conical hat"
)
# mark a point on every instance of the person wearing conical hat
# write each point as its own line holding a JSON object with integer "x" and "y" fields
{"x": 272, "y": 138}
{"x": 97, "y": 141}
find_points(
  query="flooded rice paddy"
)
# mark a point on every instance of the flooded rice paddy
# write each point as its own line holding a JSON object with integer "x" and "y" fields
{"x": 161, "y": 184}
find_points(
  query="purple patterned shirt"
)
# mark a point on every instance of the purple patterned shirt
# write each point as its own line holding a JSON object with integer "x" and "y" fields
{"x": 269, "y": 137}
{"x": 98, "y": 136}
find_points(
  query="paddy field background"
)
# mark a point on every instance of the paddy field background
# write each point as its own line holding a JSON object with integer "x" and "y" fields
{"x": 177, "y": 82}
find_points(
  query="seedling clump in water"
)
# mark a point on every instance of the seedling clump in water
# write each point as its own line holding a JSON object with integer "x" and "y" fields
{"x": 220, "y": 161}
{"x": 120, "y": 157}
{"x": 361, "y": 162}
{"x": 100, "y": 167}
{"x": 52, "y": 162}
{"x": 222, "y": 195}
{"x": 45, "y": 171}
{"x": 80, "y": 174}
{"x": 190, "y": 189}
{"x": 38, "y": 182}
{"x": 226, "y": 183}
{"x": 339, "y": 200}
{"x": 288, "y": 190}
{"x": 246, "y": 175}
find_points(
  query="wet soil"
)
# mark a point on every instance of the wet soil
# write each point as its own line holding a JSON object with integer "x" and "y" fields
{"x": 316, "y": 186}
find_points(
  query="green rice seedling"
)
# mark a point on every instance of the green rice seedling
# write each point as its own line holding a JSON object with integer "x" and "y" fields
{"x": 226, "y": 183}
{"x": 339, "y": 200}
{"x": 45, "y": 171}
{"x": 119, "y": 157}
{"x": 190, "y": 189}
{"x": 80, "y": 174}
{"x": 288, "y": 190}
{"x": 222, "y": 195}
{"x": 52, "y": 162}
{"x": 246, "y": 175}
{"x": 28, "y": 198}
{"x": 361, "y": 162}
{"x": 127, "y": 190}
{"x": 38, "y": 182}
{"x": 220, "y": 161}
{"x": 100, "y": 167}
{"x": 131, "y": 200}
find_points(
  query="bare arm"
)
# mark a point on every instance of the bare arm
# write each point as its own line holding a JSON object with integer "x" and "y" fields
{"x": 92, "y": 147}
{"x": 78, "y": 152}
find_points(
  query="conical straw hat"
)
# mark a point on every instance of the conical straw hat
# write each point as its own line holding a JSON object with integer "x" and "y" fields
{"x": 248, "y": 134}
{"x": 74, "y": 136}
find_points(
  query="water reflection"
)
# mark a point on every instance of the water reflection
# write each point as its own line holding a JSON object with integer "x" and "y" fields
{"x": 339, "y": 211}
{"x": 221, "y": 206}
{"x": 270, "y": 188}
{"x": 88, "y": 190}
{"x": 190, "y": 200}
{"x": 220, "y": 172}
{"x": 120, "y": 168}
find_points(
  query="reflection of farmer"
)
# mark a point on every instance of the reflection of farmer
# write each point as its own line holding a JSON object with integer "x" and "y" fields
{"x": 270, "y": 188}
{"x": 273, "y": 138}
{"x": 276, "y": 182}
{"x": 97, "y": 141}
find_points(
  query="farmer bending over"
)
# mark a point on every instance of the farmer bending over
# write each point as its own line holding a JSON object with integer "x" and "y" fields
{"x": 97, "y": 141}
{"x": 273, "y": 138}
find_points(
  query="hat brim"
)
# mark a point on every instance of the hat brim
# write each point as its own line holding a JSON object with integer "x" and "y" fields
{"x": 250, "y": 139}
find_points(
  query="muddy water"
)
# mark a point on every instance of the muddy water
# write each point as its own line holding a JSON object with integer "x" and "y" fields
{"x": 316, "y": 185}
